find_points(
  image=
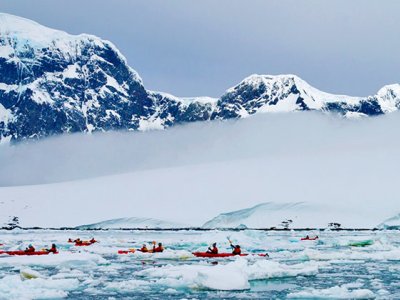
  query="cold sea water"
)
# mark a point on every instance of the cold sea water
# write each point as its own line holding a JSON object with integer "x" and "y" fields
{"x": 338, "y": 265}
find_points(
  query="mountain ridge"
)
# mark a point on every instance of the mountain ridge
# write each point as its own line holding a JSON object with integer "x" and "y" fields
{"x": 52, "y": 82}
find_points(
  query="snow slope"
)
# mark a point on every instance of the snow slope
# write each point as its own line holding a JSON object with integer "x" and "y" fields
{"x": 132, "y": 223}
{"x": 264, "y": 215}
{"x": 341, "y": 171}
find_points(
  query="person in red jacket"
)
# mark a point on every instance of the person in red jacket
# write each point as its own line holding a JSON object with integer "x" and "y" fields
{"x": 213, "y": 250}
{"x": 53, "y": 249}
{"x": 144, "y": 248}
{"x": 30, "y": 248}
{"x": 236, "y": 249}
{"x": 160, "y": 247}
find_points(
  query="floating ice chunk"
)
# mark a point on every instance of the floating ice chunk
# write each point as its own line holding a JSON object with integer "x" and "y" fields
{"x": 231, "y": 276}
{"x": 336, "y": 292}
{"x": 12, "y": 287}
{"x": 393, "y": 254}
{"x": 60, "y": 260}
{"x": 69, "y": 273}
{"x": 127, "y": 285}
{"x": 171, "y": 291}
{"x": 220, "y": 277}
{"x": 29, "y": 274}
{"x": 225, "y": 278}
{"x": 270, "y": 269}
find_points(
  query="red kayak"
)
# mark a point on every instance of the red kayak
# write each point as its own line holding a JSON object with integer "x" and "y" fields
{"x": 134, "y": 250}
{"x": 207, "y": 254}
{"x": 22, "y": 252}
{"x": 126, "y": 251}
{"x": 85, "y": 243}
{"x": 309, "y": 239}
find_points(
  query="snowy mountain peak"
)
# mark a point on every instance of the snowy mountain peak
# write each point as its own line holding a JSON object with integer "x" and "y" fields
{"x": 23, "y": 39}
{"x": 52, "y": 82}
{"x": 389, "y": 97}
{"x": 19, "y": 27}
{"x": 291, "y": 83}
{"x": 288, "y": 93}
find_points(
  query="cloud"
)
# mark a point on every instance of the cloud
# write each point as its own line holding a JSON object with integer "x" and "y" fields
{"x": 301, "y": 136}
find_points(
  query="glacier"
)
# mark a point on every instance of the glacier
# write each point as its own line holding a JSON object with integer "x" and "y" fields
{"x": 133, "y": 222}
{"x": 341, "y": 171}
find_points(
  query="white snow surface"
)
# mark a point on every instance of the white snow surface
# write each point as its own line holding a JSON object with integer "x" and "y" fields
{"x": 336, "y": 292}
{"x": 5, "y": 114}
{"x": 265, "y": 215}
{"x": 200, "y": 99}
{"x": 133, "y": 223}
{"x": 187, "y": 100}
{"x": 308, "y": 168}
{"x": 388, "y": 97}
{"x": 22, "y": 32}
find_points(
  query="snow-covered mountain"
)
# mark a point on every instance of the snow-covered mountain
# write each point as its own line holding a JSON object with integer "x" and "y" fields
{"x": 286, "y": 93}
{"x": 52, "y": 82}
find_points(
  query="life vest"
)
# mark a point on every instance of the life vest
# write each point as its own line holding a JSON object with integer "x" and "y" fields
{"x": 30, "y": 249}
{"x": 236, "y": 251}
{"x": 158, "y": 249}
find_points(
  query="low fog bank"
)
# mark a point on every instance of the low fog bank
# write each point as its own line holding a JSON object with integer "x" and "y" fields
{"x": 296, "y": 136}
{"x": 344, "y": 171}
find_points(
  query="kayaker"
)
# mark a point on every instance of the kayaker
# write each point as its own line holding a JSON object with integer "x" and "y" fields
{"x": 78, "y": 242}
{"x": 213, "y": 250}
{"x": 30, "y": 248}
{"x": 236, "y": 249}
{"x": 53, "y": 249}
{"x": 93, "y": 240}
{"x": 144, "y": 248}
{"x": 160, "y": 248}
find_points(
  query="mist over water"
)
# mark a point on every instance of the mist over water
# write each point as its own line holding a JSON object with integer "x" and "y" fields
{"x": 345, "y": 171}
{"x": 294, "y": 136}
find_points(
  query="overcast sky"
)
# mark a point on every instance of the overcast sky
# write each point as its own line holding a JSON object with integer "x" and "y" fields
{"x": 195, "y": 48}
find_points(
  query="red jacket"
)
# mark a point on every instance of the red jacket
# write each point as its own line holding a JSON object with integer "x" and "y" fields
{"x": 158, "y": 249}
{"x": 213, "y": 250}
